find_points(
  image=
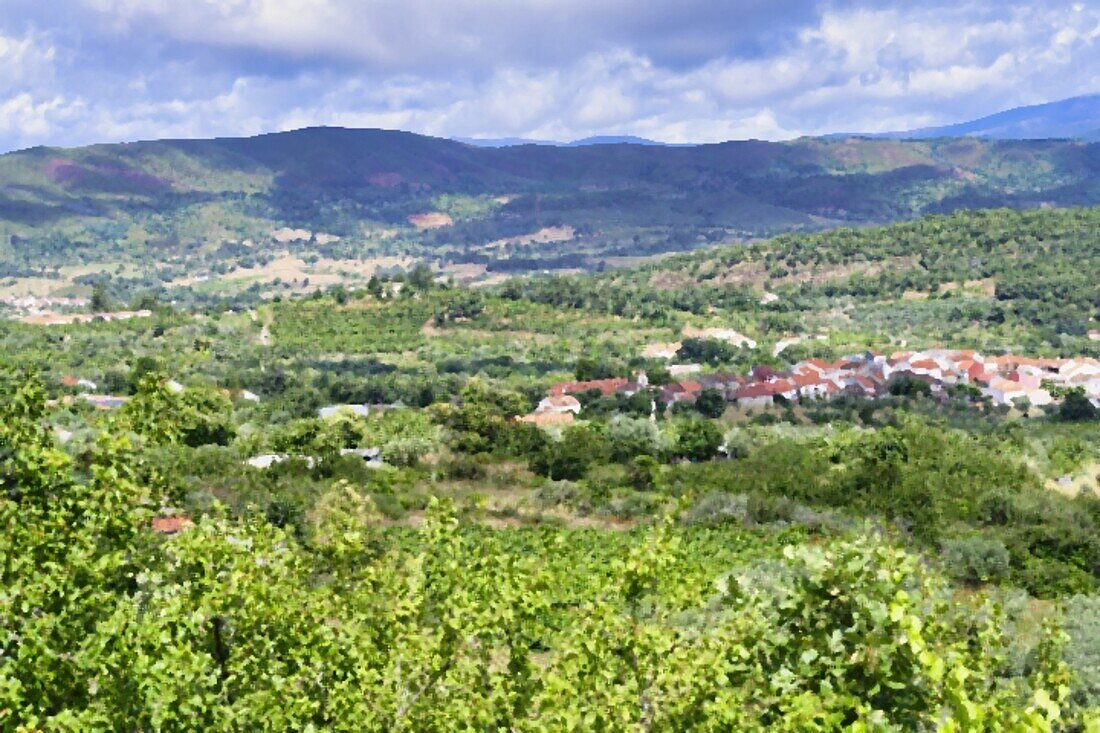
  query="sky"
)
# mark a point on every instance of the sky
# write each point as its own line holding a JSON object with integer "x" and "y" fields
{"x": 80, "y": 71}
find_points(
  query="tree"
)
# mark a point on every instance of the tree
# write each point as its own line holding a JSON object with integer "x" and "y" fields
{"x": 710, "y": 403}
{"x": 570, "y": 457}
{"x": 643, "y": 472}
{"x": 698, "y": 439}
{"x": 1077, "y": 407}
{"x": 628, "y": 437}
{"x": 195, "y": 416}
{"x": 100, "y": 301}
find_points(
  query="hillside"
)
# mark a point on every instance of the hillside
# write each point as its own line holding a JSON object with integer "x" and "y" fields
{"x": 334, "y": 205}
{"x": 417, "y": 498}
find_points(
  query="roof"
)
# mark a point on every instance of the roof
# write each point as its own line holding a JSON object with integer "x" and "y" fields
{"x": 606, "y": 386}
{"x": 562, "y": 401}
{"x": 171, "y": 525}
{"x": 761, "y": 389}
{"x": 806, "y": 380}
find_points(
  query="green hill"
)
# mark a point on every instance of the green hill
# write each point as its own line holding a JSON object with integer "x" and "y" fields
{"x": 165, "y": 211}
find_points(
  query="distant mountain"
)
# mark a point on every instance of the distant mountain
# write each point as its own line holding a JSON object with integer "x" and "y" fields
{"x": 1077, "y": 117}
{"x": 507, "y": 142}
{"x": 613, "y": 140}
{"x": 176, "y": 209}
{"x": 503, "y": 142}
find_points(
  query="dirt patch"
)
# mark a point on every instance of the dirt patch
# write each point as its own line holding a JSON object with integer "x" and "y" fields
{"x": 669, "y": 279}
{"x": 546, "y": 235}
{"x": 287, "y": 235}
{"x": 728, "y": 335}
{"x": 754, "y": 272}
{"x": 1088, "y": 479}
{"x": 431, "y": 220}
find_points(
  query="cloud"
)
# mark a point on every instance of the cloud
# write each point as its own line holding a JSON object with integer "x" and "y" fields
{"x": 696, "y": 70}
{"x": 421, "y": 35}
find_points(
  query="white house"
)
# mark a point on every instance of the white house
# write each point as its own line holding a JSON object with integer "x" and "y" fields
{"x": 334, "y": 410}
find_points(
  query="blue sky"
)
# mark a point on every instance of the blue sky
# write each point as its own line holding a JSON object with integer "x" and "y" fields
{"x": 80, "y": 71}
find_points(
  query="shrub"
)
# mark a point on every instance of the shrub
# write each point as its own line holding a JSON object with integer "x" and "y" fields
{"x": 698, "y": 440}
{"x": 1082, "y": 624}
{"x": 737, "y": 443}
{"x": 643, "y": 473}
{"x": 628, "y": 437}
{"x": 718, "y": 508}
{"x": 976, "y": 560}
{"x": 465, "y": 468}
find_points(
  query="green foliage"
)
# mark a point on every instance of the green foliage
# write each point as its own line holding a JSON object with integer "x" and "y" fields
{"x": 697, "y": 440}
{"x": 1081, "y": 619}
{"x": 570, "y": 457}
{"x": 975, "y": 560}
{"x": 237, "y": 624}
{"x": 706, "y": 351}
{"x": 710, "y": 403}
{"x": 629, "y": 437}
{"x": 1076, "y": 407}
{"x": 480, "y": 418}
{"x": 194, "y": 416}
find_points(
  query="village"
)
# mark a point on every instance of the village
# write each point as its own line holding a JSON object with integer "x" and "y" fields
{"x": 1007, "y": 379}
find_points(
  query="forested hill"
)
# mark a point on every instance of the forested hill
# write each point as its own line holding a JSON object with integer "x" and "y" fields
{"x": 192, "y": 202}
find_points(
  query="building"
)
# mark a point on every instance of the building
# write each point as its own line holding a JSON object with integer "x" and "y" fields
{"x": 335, "y": 410}
{"x": 559, "y": 403}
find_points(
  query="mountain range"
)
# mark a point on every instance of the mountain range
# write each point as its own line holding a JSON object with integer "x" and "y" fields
{"x": 1073, "y": 118}
{"x": 179, "y": 209}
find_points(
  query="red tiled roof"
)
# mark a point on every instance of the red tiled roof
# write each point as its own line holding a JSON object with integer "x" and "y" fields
{"x": 606, "y": 386}
{"x": 760, "y": 389}
{"x": 865, "y": 382}
{"x": 170, "y": 525}
{"x": 806, "y": 380}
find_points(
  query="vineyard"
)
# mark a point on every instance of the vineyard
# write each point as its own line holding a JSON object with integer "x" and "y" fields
{"x": 237, "y": 625}
{"x": 346, "y": 511}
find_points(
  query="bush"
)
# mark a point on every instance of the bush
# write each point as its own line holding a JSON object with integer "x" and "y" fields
{"x": 1050, "y": 578}
{"x": 1082, "y": 624}
{"x": 737, "y": 443}
{"x": 406, "y": 451}
{"x": 1076, "y": 407}
{"x": 628, "y": 437}
{"x": 643, "y": 473}
{"x": 718, "y": 508}
{"x": 570, "y": 457}
{"x": 976, "y": 560}
{"x": 465, "y": 468}
{"x": 698, "y": 440}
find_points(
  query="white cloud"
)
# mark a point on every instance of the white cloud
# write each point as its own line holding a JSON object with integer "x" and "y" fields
{"x": 562, "y": 70}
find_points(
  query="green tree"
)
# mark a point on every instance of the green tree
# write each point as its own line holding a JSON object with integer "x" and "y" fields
{"x": 1077, "y": 407}
{"x": 100, "y": 301}
{"x": 697, "y": 440}
{"x": 710, "y": 403}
